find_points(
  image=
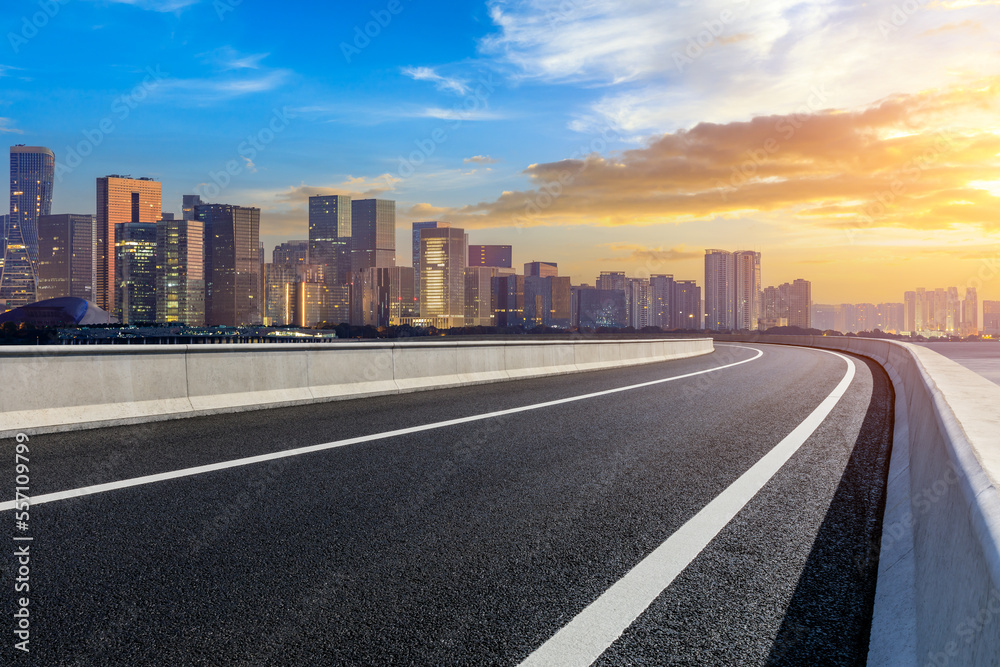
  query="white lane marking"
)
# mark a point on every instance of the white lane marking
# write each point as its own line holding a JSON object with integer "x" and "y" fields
{"x": 582, "y": 641}
{"x": 262, "y": 458}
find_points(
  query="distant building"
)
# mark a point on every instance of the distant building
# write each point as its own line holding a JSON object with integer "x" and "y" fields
{"x": 291, "y": 252}
{"x": 331, "y": 228}
{"x": 800, "y": 304}
{"x": 62, "y": 312}
{"x": 135, "y": 272}
{"x": 639, "y": 307}
{"x": 500, "y": 256}
{"x": 120, "y": 200}
{"x": 547, "y": 301}
{"x": 180, "y": 272}
{"x": 67, "y": 262}
{"x": 373, "y": 232}
{"x": 480, "y": 299}
{"x": 686, "y": 309}
{"x": 991, "y": 318}
{"x": 416, "y": 229}
{"x": 32, "y": 174}
{"x": 541, "y": 269}
{"x": 190, "y": 203}
{"x": 661, "y": 288}
{"x": 774, "y": 307}
{"x": 599, "y": 308}
{"x": 824, "y": 316}
{"x": 611, "y": 280}
{"x": 443, "y": 255}
{"x": 232, "y": 265}
{"x": 746, "y": 290}
{"x": 910, "y": 312}
{"x": 969, "y": 317}
{"x": 720, "y": 300}
{"x": 509, "y": 304}
{"x": 383, "y": 297}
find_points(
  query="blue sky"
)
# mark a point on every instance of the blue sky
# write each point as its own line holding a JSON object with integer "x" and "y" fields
{"x": 470, "y": 111}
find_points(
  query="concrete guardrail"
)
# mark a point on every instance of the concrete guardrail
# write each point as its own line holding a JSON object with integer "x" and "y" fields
{"x": 938, "y": 593}
{"x": 47, "y": 389}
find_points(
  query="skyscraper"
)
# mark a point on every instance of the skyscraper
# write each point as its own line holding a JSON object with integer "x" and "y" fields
{"x": 330, "y": 236}
{"x": 190, "y": 203}
{"x": 232, "y": 284}
{"x": 611, "y": 280}
{"x": 720, "y": 300}
{"x": 443, "y": 254}
{"x": 135, "y": 272}
{"x": 480, "y": 299}
{"x": 500, "y": 256}
{"x": 991, "y": 318}
{"x": 661, "y": 288}
{"x": 67, "y": 250}
{"x": 746, "y": 289}
{"x": 970, "y": 313}
{"x": 910, "y": 314}
{"x": 541, "y": 269}
{"x": 638, "y": 303}
{"x": 291, "y": 252}
{"x": 373, "y": 231}
{"x": 382, "y": 297}
{"x": 180, "y": 272}
{"x": 120, "y": 200}
{"x": 32, "y": 173}
{"x": 417, "y": 227}
{"x": 800, "y": 304}
{"x": 685, "y": 304}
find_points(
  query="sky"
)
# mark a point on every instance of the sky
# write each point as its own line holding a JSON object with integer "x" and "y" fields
{"x": 854, "y": 144}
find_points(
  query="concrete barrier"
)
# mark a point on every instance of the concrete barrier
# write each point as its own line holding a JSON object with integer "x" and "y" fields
{"x": 938, "y": 595}
{"x": 46, "y": 389}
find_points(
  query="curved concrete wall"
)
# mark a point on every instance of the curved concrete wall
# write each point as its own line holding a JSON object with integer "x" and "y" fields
{"x": 938, "y": 596}
{"x": 45, "y": 389}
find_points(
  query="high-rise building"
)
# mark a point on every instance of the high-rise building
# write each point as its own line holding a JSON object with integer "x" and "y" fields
{"x": 508, "y": 291}
{"x": 910, "y": 312}
{"x": 601, "y": 308}
{"x": 991, "y": 318}
{"x": 32, "y": 173}
{"x": 800, "y": 304}
{"x": 417, "y": 227}
{"x": 720, "y": 300}
{"x": 291, "y": 252}
{"x": 373, "y": 231}
{"x": 180, "y": 272}
{"x": 547, "y": 301}
{"x": 135, "y": 272}
{"x": 824, "y": 316}
{"x": 331, "y": 227}
{"x": 190, "y": 203}
{"x": 120, "y": 200}
{"x": 611, "y": 280}
{"x": 685, "y": 306}
{"x": 541, "y": 269}
{"x": 67, "y": 249}
{"x": 480, "y": 299}
{"x": 232, "y": 265}
{"x": 774, "y": 307}
{"x": 639, "y": 307}
{"x": 500, "y": 256}
{"x": 746, "y": 288}
{"x": 970, "y": 313}
{"x": 661, "y": 289}
{"x": 443, "y": 254}
{"x": 382, "y": 297}
{"x": 4, "y": 220}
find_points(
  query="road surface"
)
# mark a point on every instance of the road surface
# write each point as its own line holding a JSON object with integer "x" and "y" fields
{"x": 715, "y": 510}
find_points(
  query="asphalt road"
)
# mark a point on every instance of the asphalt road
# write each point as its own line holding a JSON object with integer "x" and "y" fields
{"x": 469, "y": 544}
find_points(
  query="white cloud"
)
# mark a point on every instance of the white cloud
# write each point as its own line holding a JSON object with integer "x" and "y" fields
{"x": 481, "y": 159}
{"x": 662, "y": 66}
{"x": 158, "y": 5}
{"x": 448, "y": 84}
{"x": 5, "y": 127}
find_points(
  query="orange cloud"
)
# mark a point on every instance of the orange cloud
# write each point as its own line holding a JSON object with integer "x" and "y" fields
{"x": 906, "y": 161}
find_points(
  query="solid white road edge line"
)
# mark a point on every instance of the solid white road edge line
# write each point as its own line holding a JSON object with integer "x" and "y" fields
{"x": 582, "y": 641}
{"x": 262, "y": 458}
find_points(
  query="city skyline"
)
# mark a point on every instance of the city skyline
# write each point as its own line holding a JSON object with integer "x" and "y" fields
{"x": 710, "y": 122}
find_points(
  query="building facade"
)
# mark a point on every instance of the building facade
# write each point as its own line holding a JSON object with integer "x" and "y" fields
{"x": 500, "y": 256}
{"x": 416, "y": 229}
{"x": 120, "y": 200}
{"x": 67, "y": 263}
{"x": 383, "y": 297}
{"x": 32, "y": 174}
{"x": 373, "y": 232}
{"x": 135, "y": 272}
{"x": 232, "y": 265}
{"x": 720, "y": 299}
{"x": 746, "y": 289}
{"x": 180, "y": 272}
{"x": 443, "y": 255}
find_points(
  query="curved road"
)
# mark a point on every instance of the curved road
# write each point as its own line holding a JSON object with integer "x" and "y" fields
{"x": 428, "y": 530}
